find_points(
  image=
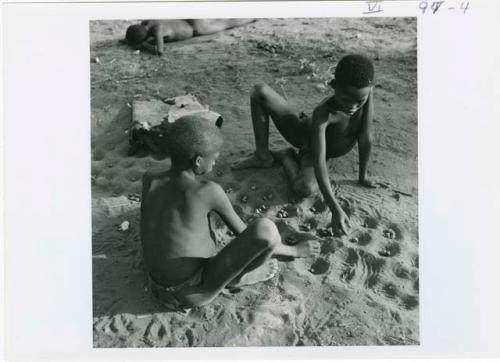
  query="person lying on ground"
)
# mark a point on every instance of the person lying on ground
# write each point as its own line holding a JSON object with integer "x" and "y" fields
{"x": 150, "y": 35}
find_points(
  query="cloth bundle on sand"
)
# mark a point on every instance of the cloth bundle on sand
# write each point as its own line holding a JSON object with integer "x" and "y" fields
{"x": 151, "y": 120}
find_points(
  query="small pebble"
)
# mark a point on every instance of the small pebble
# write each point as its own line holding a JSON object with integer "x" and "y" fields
{"x": 354, "y": 240}
{"x": 384, "y": 252}
{"x": 95, "y": 60}
{"x": 229, "y": 190}
{"x": 305, "y": 227}
{"x": 230, "y": 233}
{"x": 244, "y": 199}
{"x": 253, "y": 187}
{"x": 312, "y": 209}
{"x": 124, "y": 226}
{"x": 137, "y": 52}
{"x": 324, "y": 232}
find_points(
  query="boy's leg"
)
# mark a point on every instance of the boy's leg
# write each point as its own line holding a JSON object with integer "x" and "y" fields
{"x": 265, "y": 103}
{"x": 247, "y": 251}
{"x": 305, "y": 184}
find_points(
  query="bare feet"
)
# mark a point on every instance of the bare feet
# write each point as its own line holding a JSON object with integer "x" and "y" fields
{"x": 264, "y": 272}
{"x": 286, "y": 153}
{"x": 254, "y": 161}
{"x": 309, "y": 249}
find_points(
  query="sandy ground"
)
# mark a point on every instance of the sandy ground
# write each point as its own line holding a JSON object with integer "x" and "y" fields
{"x": 363, "y": 290}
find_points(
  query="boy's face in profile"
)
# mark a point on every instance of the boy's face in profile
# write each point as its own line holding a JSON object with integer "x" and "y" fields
{"x": 350, "y": 99}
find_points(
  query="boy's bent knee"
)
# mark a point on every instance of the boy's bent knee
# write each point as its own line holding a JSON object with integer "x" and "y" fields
{"x": 259, "y": 91}
{"x": 304, "y": 189}
{"x": 266, "y": 231}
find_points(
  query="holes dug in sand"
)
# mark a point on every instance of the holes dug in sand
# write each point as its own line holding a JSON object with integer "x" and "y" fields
{"x": 400, "y": 271}
{"x": 327, "y": 247}
{"x": 364, "y": 239}
{"x": 396, "y": 231}
{"x": 390, "y": 290}
{"x": 409, "y": 301}
{"x": 318, "y": 207}
{"x": 324, "y": 232}
{"x": 308, "y": 224}
{"x": 320, "y": 266}
{"x": 389, "y": 234}
{"x": 371, "y": 223}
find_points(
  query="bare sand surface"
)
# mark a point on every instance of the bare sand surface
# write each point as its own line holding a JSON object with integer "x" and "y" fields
{"x": 363, "y": 289}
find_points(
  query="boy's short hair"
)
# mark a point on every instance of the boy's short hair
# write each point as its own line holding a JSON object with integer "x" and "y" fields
{"x": 190, "y": 136}
{"x": 355, "y": 70}
{"x": 136, "y": 34}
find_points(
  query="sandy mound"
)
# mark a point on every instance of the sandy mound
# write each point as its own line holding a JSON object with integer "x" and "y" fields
{"x": 363, "y": 289}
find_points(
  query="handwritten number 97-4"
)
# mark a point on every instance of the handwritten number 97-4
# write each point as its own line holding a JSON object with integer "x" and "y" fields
{"x": 436, "y": 5}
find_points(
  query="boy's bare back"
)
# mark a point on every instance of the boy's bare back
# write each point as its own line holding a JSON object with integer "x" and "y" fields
{"x": 175, "y": 229}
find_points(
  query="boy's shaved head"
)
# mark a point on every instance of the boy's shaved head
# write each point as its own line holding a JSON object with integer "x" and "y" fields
{"x": 191, "y": 136}
{"x": 355, "y": 70}
{"x": 136, "y": 34}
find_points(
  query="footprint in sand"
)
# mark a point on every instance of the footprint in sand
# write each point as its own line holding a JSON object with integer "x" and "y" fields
{"x": 371, "y": 223}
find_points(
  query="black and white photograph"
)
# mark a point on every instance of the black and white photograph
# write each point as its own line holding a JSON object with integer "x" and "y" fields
{"x": 254, "y": 182}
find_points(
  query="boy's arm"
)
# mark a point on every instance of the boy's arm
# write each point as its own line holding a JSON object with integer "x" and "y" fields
{"x": 365, "y": 141}
{"x": 319, "y": 124}
{"x": 222, "y": 206}
{"x": 154, "y": 41}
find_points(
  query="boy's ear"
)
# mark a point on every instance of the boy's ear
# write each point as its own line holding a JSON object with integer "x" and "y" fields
{"x": 197, "y": 160}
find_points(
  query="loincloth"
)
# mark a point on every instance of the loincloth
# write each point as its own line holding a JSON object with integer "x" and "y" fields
{"x": 167, "y": 295}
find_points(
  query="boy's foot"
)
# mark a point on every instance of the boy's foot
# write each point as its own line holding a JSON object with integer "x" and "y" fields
{"x": 264, "y": 272}
{"x": 254, "y": 162}
{"x": 286, "y": 153}
{"x": 311, "y": 248}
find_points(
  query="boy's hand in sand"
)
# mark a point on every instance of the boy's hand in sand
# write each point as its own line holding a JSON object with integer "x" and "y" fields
{"x": 340, "y": 222}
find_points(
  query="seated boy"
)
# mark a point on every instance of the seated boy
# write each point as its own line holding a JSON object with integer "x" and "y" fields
{"x": 178, "y": 250}
{"x": 151, "y": 34}
{"x": 337, "y": 123}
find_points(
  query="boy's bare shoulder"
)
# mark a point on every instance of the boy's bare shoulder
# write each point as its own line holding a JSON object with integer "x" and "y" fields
{"x": 210, "y": 188}
{"x": 324, "y": 109}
